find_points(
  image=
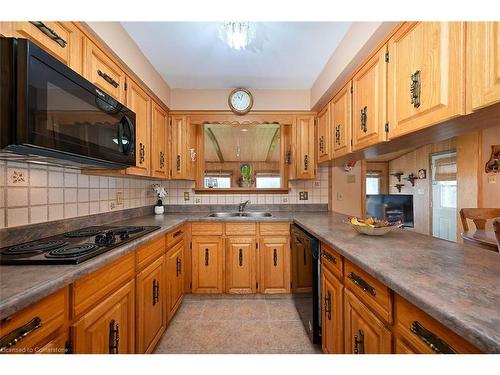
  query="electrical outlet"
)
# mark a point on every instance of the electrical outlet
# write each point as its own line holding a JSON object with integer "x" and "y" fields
{"x": 303, "y": 195}
{"x": 197, "y": 200}
{"x": 351, "y": 179}
{"x": 317, "y": 183}
{"x": 284, "y": 200}
{"x": 492, "y": 179}
{"x": 340, "y": 196}
{"x": 186, "y": 195}
{"x": 119, "y": 198}
{"x": 112, "y": 205}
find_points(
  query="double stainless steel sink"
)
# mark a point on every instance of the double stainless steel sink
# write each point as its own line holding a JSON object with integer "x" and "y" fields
{"x": 241, "y": 214}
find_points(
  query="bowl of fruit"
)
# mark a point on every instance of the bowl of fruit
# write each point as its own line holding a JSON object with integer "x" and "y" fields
{"x": 372, "y": 226}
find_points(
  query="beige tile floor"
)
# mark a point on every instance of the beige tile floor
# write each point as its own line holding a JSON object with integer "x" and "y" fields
{"x": 239, "y": 325}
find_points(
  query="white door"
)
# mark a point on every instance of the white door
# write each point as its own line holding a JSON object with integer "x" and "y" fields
{"x": 444, "y": 196}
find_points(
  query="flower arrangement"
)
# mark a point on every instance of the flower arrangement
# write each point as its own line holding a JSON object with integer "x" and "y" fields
{"x": 160, "y": 192}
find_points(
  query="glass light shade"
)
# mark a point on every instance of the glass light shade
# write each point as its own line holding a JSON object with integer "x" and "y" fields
{"x": 237, "y": 35}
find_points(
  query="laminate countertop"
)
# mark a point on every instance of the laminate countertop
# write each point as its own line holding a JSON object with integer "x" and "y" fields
{"x": 458, "y": 285}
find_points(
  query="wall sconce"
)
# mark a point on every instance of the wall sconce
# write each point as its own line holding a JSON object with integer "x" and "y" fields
{"x": 411, "y": 178}
{"x": 493, "y": 165}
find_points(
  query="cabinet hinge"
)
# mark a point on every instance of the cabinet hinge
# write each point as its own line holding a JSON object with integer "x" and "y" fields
{"x": 191, "y": 245}
{"x": 257, "y": 285}
{"x": 351, "y": 142}
{"x": 387, "y": 57}
{"x": 351, "y": 89}
{"x": 190, "y": 286}
{"x": 256, "y": 245}
{"x": 68, "y": 348}
{"x": 291, "y": 284}
{"x": 386, "y": 127}
{"x": 125, "y": 86}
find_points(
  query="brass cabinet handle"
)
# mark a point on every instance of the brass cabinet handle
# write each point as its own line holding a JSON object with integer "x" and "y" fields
{"x": 142, "y": 152}
{"x": 206, "y": 257}
{"x": 178, "y": 162}
{"x": 50, "y": 33}
{"x": 306, "y": 162}
{"x": 359, "y": 343}
{"x": 162, "y": 159}
{"x": 356, "y": 280}
{"x": 107, "y": 78}
{"x": 337, "y": 135}
{"x": 328, "y": 305}
{"x": 329, "y": 258}
{"x": 156, "y": 291}
{"x": 13, "y": 337}
{"x": 114, "y": 337}
{"x": 430, "y": 339}
{"x": 415, "y": 87}
{"x": 275, "y": 257}
{"x": 241, "y": 257}
{"x": 364, "y": 119}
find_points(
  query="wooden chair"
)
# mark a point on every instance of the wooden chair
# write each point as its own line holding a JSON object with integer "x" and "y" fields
{"x": 496, "y": 226}
{"x": 479, "y": 217}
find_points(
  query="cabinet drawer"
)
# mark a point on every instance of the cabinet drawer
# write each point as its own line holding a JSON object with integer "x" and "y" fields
{"x": 371, "y": 291}
{"x": 90, "y": 289}
{"x": 274, "y": 229}
{"x": 34, "y": 325}
{"x": 58, "y": 345}
{"x": 424, "y": 334}
{"x": 206, "y": 229}
{"x": 175, "y": 236}
{"x": 150, "y": 252}
{"x": 243, "y": 229}
{"x": 332, "y": 260}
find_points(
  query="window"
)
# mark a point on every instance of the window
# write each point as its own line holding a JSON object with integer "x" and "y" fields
{"x": 265, "y": 180}
{"x": 373, "y": 182}
{"x": 217, "y": 181}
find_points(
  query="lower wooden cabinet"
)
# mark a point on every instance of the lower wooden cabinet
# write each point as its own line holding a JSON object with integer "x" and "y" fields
{"x": 108, "y": 328}
{"x": 364, "y": 332}
{"x": 207, "y": 264}
{"x": 175, "y": 278}
{"x": 150, "y": 306}
{"x": 332, "y": 313}
{"x": 58, "y": 345}
{"x": 241, "y": 265}
{"x": 274, "y": 264}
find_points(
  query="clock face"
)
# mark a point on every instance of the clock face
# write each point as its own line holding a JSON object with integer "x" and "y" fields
{"x": 240, "y": 101}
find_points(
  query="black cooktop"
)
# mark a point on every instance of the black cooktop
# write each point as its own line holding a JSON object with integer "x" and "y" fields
{"x": 72, "y": 247}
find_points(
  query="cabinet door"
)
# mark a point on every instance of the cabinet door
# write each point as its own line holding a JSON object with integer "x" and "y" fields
{"x": 103, "y": 72}
{"x": 426, "y": 75}
{"x": 484, "y": 58}
{"x": 175, "y": 278}
{"x": 323, "y": 137}
{"x": 340, "y": 107}
{"x": 240, "y": 265}
{"x": 159, "y": 153}
{"x": 139, "y": 102}
{"x": 109, "y": 327}
{"x": 304, "y": 144}
{"x": 332, "y": 313}
{"x": 369, "y": 102}
{"x": 274, "y": 264}
{"x": 207, "y": 258}
{"x": 364, "y": 332}
{"x": 179, "y": 135}
{"x": 151, "y": 310}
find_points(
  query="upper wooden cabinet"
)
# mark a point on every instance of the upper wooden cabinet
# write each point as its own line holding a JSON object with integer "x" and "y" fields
{"x": 139, "y": 102}
{"x": 103, "y": 72}
{"x": 340, "y": 108}
{"x": 303, "y": 142}
{"x": 274, "y": 264}
{"x": 159, "y": 144}
{"x": 241, "y": 265}
{"x": 323, "y": 139}
{"x": 369, "y": 102}
{"x": 207, "y": 259}
{"x": 426, "y": 75}
{"x": 183, "y": 150}
{"x": 483, "y": 52}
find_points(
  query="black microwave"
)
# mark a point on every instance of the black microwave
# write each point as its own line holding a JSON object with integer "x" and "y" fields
{"x": 50, "y": 114}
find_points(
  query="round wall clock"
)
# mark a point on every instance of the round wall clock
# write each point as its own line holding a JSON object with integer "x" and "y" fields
{"x": 240, "y": 101}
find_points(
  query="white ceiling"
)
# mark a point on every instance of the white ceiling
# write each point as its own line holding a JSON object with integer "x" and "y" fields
{"x": 284, "y": 55}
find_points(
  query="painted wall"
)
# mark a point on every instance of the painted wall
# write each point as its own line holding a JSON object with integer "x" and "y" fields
{"x": 346, "y": 190}
{"x": 120, "y": 42}
{"x": 264, "y": 100}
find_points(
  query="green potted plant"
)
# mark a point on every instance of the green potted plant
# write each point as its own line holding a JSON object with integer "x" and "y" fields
{"x": 246, "y": 179}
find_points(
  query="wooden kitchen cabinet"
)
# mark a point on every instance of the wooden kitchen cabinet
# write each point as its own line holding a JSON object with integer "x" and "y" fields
{"x": 139, "y": 102}
{"x": 207, "y": 264}
{"x": 108, "y": 328}
{"x": 369, "y": 102}
{"x": 159, "y": 144}
{"x": 483, "y": 58}
{"x": 426, "y": 75}
{"x": 323, "y": 138}
{"x": 183, "y": 150}
{"x": 305, "y": 160}
{"x": 103, "y": 72}
{"x": 332, "y": 296}
{"x": 150, "y": 306}
{"x": 274, "y": 264}
{"x": 175, "y": 278}
{"x": 364, "y": 333}
{"x": 341, "y": 121}
{"x": 241, "y": 264}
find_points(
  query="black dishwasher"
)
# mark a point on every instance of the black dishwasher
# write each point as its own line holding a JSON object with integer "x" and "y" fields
{"x": 306, "y": 288}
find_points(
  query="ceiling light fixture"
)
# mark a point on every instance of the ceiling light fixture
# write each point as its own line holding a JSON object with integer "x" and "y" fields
{"x": 237, "y": 35}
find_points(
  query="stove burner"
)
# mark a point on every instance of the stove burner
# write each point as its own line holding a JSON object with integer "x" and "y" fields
{"x": 34, "y": 247}
{"x": 127, "y": 230}
{"x": 85, "y": 232}
{"x": 72, "y": 252}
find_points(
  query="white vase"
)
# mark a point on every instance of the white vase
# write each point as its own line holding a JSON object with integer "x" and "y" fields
{"x": 159, "y": 210}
